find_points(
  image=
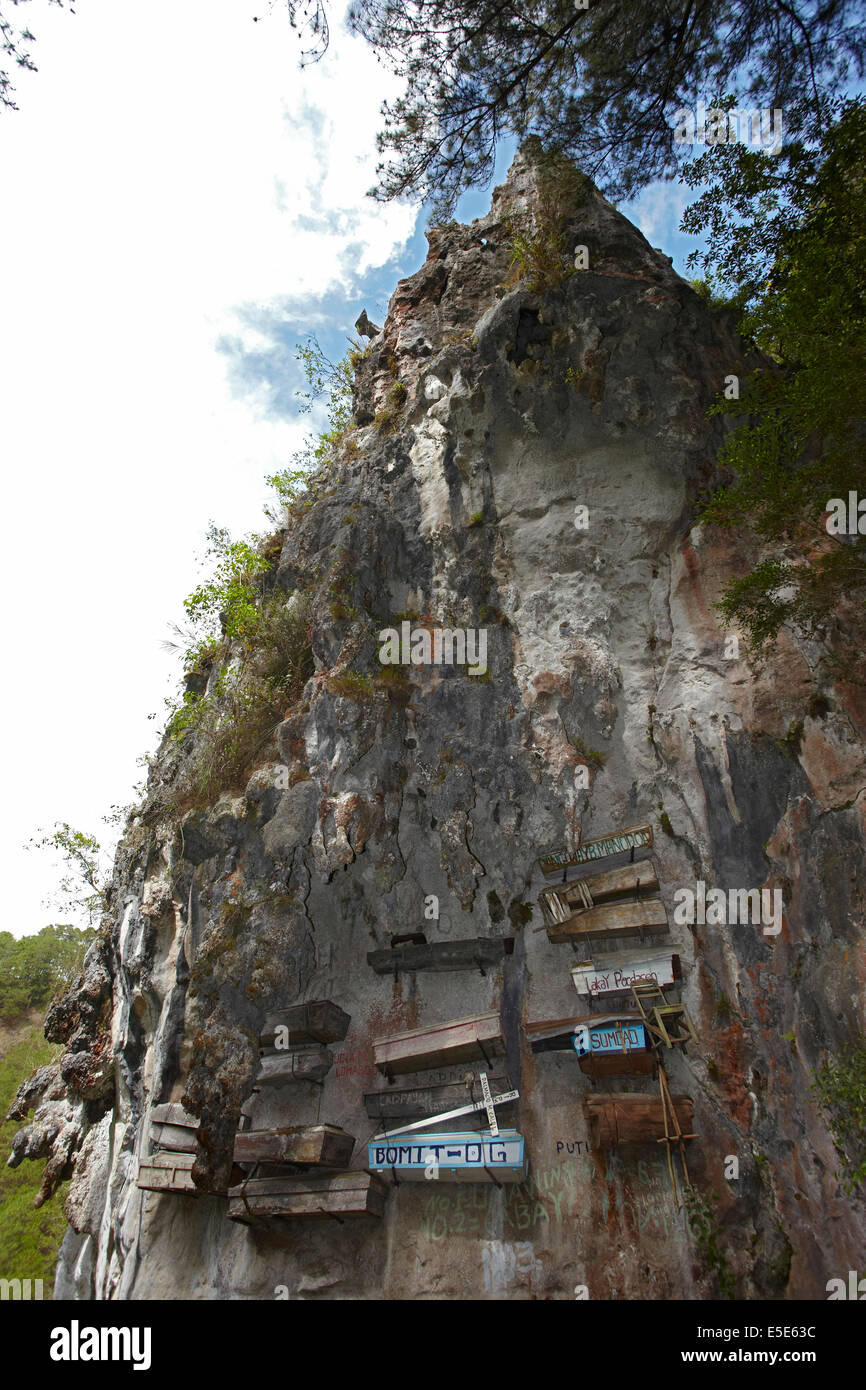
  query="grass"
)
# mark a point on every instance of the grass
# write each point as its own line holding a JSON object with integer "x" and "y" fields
{"x": 593, "y": 756}
{"x": 29, "y": 1238}
{"x": 386, "y": 419}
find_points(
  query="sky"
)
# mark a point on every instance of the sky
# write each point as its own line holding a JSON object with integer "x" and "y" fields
{"x": 179, "y": 206}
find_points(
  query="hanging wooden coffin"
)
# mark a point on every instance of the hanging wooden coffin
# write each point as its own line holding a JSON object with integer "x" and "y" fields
{"x": 173, "y": 1128}
{"x": 327, "y": 1146}
{"x": 282, "y": 1068}
{"x": 624, "y": 1118}
{"x": 630, "y": 882}
{"x": 462, "y": 1040}
{"x": 479, "y": 953}
{"x": 311, "y": 1197}
{"x": 167, "y": 1172}
{"x": 399, "y": 1101}
{"x": 453, "y": 1157}
{"x": 633, "y": 837}
{"x": 317, "y": 1021}
{"x": 607, "y": 1047}
{"x": 625, "y": 969}
{"x": 611, "y": 920}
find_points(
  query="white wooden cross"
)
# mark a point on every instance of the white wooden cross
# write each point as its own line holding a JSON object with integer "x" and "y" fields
{"x": 487, "y": 1104}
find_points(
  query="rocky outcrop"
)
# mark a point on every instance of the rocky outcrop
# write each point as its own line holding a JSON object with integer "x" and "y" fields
{"x": 486, "y": 415}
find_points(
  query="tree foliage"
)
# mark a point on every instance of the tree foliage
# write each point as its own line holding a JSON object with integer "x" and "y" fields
{"x": 799, "y": 276}
{"x": 16, "y": 47}
{"x": 597, "y": 81}
{"x": 82, "y": 887}
{"x": 35, "y": 968}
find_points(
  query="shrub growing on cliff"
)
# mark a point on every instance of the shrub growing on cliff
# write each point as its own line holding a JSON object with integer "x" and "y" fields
{"x": 332, "y": 383}
{"x": 539, "y": 250}
{"x": 248, "y": 699}
{"x": 264, "y": 649}
{"x": 840, "y": 1085}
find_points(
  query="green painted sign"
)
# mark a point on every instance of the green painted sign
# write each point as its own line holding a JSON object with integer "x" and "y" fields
{"x": 634, "y": 837}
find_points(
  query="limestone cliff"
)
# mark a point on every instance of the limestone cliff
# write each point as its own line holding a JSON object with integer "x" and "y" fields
{"x": 609, "y": 700}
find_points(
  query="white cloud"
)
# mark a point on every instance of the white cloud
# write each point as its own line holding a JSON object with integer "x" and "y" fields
{"x": 169, "y": 163}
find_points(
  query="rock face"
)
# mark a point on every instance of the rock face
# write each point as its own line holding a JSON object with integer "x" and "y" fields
{"x": 608, "y": 700}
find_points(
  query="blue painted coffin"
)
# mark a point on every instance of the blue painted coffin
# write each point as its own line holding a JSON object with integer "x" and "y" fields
{"x": 452, "y": 1157}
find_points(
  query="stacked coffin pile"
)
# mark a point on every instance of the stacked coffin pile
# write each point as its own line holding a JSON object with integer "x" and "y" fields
{"x": 620, "y": 905}
{"x": 169, "y": 1167}
{"x": 415, "y": 1151}
{"x": 300, "y": 1172}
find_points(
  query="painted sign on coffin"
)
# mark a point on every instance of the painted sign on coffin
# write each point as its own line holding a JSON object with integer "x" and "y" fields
{"x": 453, "y": 1154}
{"x": 654, "y": 966}
{"x": 608, "y": 1038}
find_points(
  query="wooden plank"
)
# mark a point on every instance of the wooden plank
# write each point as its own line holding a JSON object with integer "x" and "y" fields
{"x": 283, "y": 1068}
{"x": 167, "y": 1173}
{"x": 616, "y": 842}
{"x": 461, "y": 1040}
{"x": 582, "y": 894}
{"x": 327, "y": 1146}
{"x": 626, "y": 1118}
{"x": 454, "y": 1156}
{"x": 477, "y": 953}
{"x": 173, "y": 1113}
{"x": 613, "y": 919}
{"x": 313, "y": 1197}
{"x": 626, "y": 969}
{"x": 398, "y": 1101}
{"x": 319, "y": 1020}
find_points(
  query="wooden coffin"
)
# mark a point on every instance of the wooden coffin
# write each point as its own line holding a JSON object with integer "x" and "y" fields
{"x": 625, "y": 1118}
{"x": 625, "y": 969}
{"x": 326, "y": 1146}
{"x": 633, "y": 837}
{"x": 611, "y": 920}
{"x": 312, "y": 1197}
{"x": 635, "y": 1063}
{"x": 173, "y": 1128}
{"x": 610, "y": 1046}
{"x": 398, "y": 1101}
{"x": 452, "y": 1156}
{"x": 479, "y": 953}
{"x": 462, "y": 1040}
{"x": 283, "y": 1068}
{"x": 167, "y": 1172}
{"x": 631, "y": 881}
{"x": 317, "y": 1021}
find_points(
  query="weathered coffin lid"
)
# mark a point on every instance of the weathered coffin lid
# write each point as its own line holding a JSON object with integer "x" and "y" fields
{"x": 433, "y": 1029}
{"x": 162, "y": 1159}
{"x": 298, "y": 1129}
{"x": 290, "y": 1185}
{"x": 600, "y": 1100}
{"x": 594, "y": 1021}
{"x": 173, "y": 1113}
